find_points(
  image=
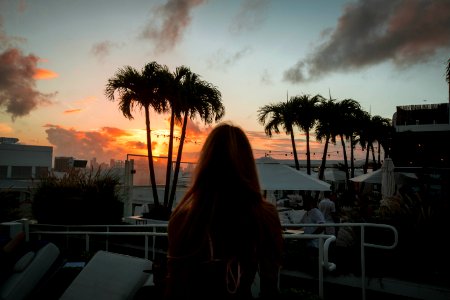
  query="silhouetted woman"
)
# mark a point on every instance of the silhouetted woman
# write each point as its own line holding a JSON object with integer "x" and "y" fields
{"x": 223, "y": 231}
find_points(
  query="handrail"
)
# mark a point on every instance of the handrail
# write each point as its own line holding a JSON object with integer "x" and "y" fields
{"x": 324, "y": 240}
{"x": 363, "y": 244}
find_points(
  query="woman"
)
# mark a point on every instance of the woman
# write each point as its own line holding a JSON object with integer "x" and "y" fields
{"x": 223, "y": 231}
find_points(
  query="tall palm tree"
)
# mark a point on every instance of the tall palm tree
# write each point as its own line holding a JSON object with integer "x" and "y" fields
{"x": 383, "y": 133}
{"x": 364, "y": 137}
{"x": 141, "y": 90}
{"x": 348, "y": 110}
{"x": 357, "y": 123}
{"x": 306, "y": 118}
{"x": 326, "y": 128}
{"x": 174, "y": 99}
{"x": 196, "y": 97}
{"x": 283, "y": 115}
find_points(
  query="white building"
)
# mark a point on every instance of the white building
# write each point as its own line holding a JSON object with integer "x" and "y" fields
{"x": 23, "y": 162}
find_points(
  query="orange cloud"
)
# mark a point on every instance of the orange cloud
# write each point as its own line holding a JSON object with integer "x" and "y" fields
{"x": 71, "y": 111}
{"x": 115, "y": 132}
{"x": 4, "y": 128}
{"x": 44, "y": 74}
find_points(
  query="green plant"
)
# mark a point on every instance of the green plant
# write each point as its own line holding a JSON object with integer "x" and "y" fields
{"x": 78, "y": 197}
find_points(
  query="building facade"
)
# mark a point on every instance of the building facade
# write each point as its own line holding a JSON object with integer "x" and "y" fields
{"x": 421, "y": 135}
{"x": 19, "y": 162}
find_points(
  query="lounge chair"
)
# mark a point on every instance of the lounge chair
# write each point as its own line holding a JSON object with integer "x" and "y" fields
{"x": 28, "y": 272}
{"x": 110, "y": 276}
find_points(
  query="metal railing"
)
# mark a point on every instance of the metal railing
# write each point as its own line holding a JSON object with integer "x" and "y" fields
{"x": 325, "y": 240}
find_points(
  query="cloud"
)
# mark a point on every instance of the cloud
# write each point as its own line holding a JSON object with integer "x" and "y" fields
{"x": 266, "y": 78}
{"x": 115, "y": 132}
{"x": 251, "y": 15}
{"x": 168, "y": 22}
{"x": 223, "y": 60}
{"x": 18, "y": 93}
{"x": 102, "y": 49}
{"x": 44, "y": 74}
{"x": 18, "y": 74}
{"x": 5, "y": 128}
{"x": 369, "y": 32}
{"x": 104, "y": 144}
{"x": 72, "y": 111}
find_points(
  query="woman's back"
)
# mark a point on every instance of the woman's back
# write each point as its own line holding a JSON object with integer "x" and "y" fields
{"x": 222, "y": 264}
{"x": 222, "y": 232}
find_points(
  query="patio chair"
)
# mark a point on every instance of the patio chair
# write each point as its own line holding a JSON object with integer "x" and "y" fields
{"x": 110, "y": 276}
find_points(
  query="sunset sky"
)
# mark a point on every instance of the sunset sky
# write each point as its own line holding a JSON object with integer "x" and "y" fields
{"x": 56, "y": 57}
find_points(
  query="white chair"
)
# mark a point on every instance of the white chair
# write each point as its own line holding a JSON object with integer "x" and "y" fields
{"x": 109, "y": 276}
{"x": 28, "y": 272}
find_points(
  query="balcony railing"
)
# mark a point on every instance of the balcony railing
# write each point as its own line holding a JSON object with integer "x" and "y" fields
{"x": 151, "y": 232}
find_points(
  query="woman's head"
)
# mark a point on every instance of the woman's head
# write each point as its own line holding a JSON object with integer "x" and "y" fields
{"x": 227, "y": 158}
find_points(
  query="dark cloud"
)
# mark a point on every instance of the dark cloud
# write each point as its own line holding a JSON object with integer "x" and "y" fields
{"x": 103, "y": 49}
{"x": 251, "y": 15}
{"x": 168, "y": 23}
{"x": 405, "y": 32}
{"x": 223, "y": 60}
{"x": 18, "y": 93}
{"x": 266, "y": 78}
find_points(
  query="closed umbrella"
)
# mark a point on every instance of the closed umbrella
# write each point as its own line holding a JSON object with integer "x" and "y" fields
{"x": 387, "y": 178}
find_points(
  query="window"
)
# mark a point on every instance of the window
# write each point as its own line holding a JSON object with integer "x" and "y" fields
{"x": 41, "y": 172}
{"x": 3, "y": 172}
{"x": 21, "y": 172}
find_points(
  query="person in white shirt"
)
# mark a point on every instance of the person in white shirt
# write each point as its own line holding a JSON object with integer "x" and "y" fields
{"x": 328, "y": 209}
{"x": 312, "y": 216}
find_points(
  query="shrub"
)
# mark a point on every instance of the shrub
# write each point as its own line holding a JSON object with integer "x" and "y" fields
{"x": 79, "y": 197}
{"x": 9, "y": 205}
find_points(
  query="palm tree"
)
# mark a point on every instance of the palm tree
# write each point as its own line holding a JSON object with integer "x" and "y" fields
{"x": 326, "y": 128}
{"x": 364, "y": 137}
{"x": 142, "y": 90}
{"x": 306, "y": 117}
{"x": 282, "y": 114}
{"x": 173, "y": 98}
{"x": 195, "y": 97}
{"x": 348, "y": 110}
{"x": 383, "y": 132}
{"x": 358, "y": 119}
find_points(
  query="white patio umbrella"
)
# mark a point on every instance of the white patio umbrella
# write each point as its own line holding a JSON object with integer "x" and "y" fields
{"x": 334, "y": 175}
{"x": 371, "y": 177}
{"x": 387, "y": 178}
{"x": 275, "y": 176}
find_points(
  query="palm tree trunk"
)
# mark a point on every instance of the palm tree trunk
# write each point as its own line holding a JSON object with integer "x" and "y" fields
{"x": 294, "y": 149}
{"x": 178, "y": 162}
{"x": 169, "y": 159}
{"x": 379, "y": 154}
{"x": 324, "y": 159}
{"x": 308, "y": 155}
{"x": 151, "y": 167}
{"x": 366, "y": 164}
{"x": 352, "y": 157}
{"x": 373, "y": 156}
{"x": 347, "y": 175}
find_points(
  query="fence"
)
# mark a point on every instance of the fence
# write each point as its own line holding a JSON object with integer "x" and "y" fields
{"x": 150, "y": 246}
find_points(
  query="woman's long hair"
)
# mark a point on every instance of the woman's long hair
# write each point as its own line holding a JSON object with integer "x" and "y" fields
{"x": 224, "y": 203}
